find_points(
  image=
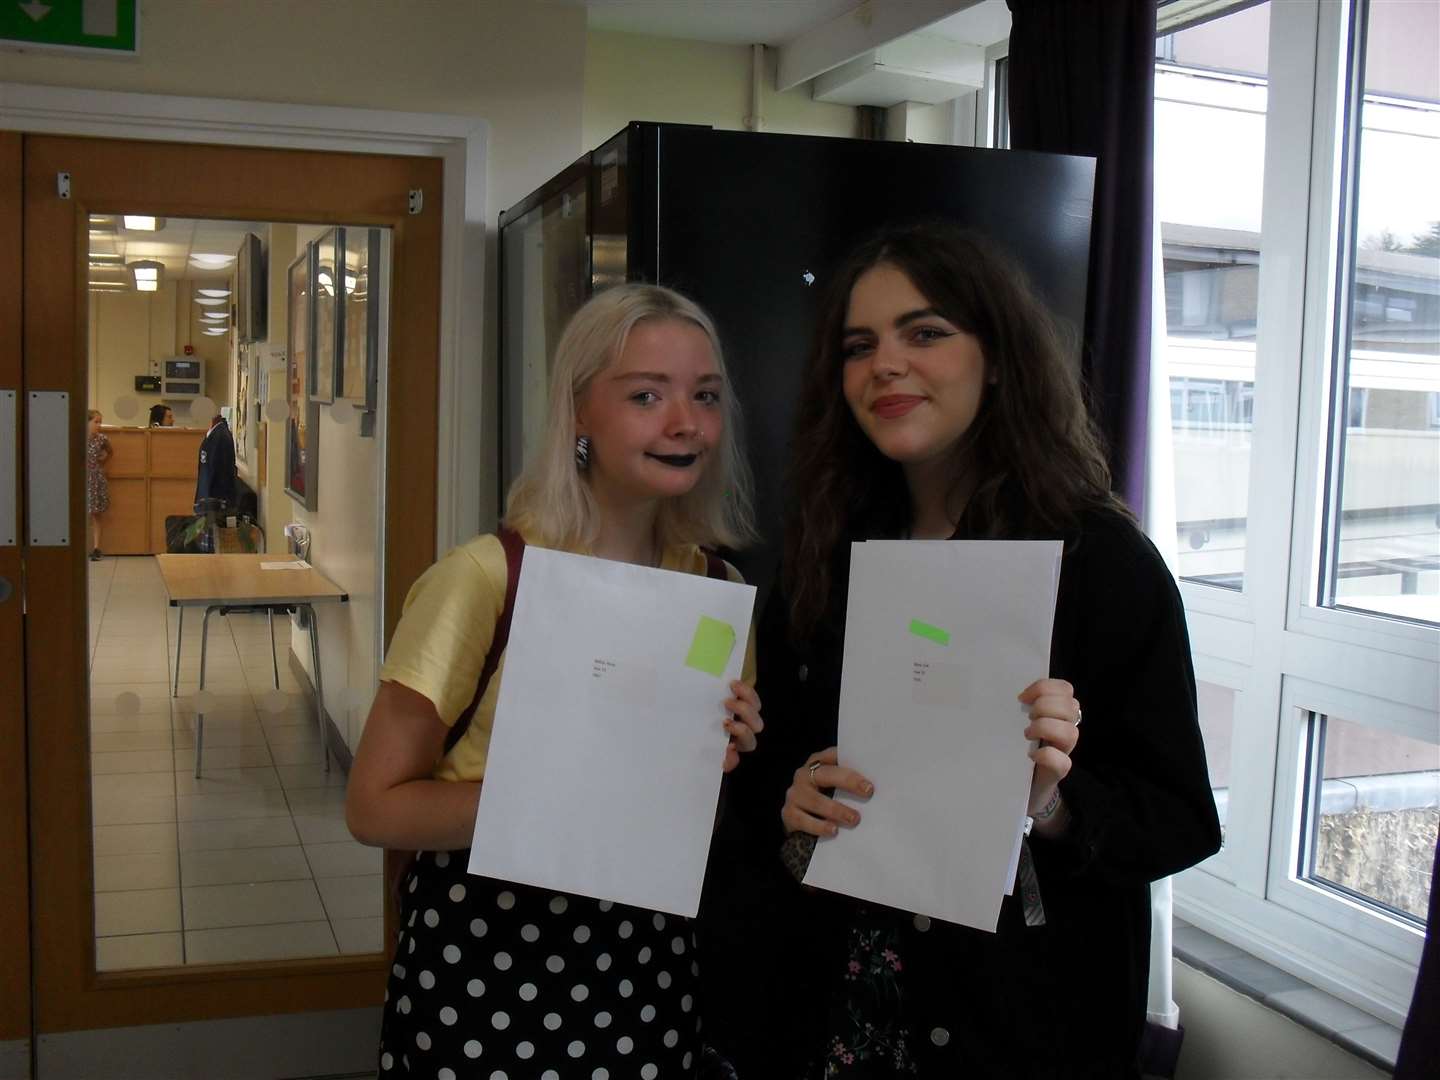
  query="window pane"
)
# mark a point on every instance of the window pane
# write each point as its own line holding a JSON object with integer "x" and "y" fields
{"x": 1000, "y": 136}
{"x": 1217, "y": 724}
{"x": 1210, "y": 102}
{"x": 1377, "y": 814}
{"x": 1384, "y": 528}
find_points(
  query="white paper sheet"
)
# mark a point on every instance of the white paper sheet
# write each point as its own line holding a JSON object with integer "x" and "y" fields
{"x": 935, "y": 724}
{"x": 605, "y": 760}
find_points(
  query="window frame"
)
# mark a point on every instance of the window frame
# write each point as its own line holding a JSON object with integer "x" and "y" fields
{"x": 1300, "y": 656}
{"x": 991, "y": 105}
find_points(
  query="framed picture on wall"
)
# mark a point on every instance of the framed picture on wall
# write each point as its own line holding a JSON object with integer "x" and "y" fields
{"x": 325, "y": 304}
{"x": 241, "y": 430}
{"x": 302, "y": 472}
{"x": 357, "y": 374}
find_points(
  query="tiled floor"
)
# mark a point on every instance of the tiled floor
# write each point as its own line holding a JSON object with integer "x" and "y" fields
{"x": 250, "y": 862}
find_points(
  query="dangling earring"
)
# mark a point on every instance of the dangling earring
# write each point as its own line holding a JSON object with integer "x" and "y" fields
{"x": 582, "y": 452}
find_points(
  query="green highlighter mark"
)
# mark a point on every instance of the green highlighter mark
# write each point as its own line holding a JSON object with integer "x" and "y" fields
{"x": 711, "y": 646}
{"x": 930, "y": 633}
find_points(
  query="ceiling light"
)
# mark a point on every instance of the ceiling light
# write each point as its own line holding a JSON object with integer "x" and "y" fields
{"x": 215, "y": 317}
{"x": 213, "y": 292}
{"x": 146, "y": 273}
{"x": 105, "y": 258}
{"x": 216, "y": 331}
{"x": 141, "y": 223}
{"x": 210, "y": 301}
{"x": 205, "y": 261}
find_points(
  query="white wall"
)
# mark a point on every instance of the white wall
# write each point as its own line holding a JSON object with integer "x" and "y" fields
{"x": 129, "y": 332}
{"x": 515, "y": 63}
{"x": 637, "y": 77}
{"x": 345, "y": 527}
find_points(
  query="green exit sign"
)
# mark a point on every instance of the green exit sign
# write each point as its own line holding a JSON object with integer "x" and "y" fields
{"x": 109, "y": 26}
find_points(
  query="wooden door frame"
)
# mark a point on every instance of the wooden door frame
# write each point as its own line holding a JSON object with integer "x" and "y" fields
{"x": 183, "y": 178}
{"x": 14, "y": 827}
{"x": 465, "y": 409}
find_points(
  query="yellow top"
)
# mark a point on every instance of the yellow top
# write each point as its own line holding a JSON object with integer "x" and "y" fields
{"x": 445, "y": 632}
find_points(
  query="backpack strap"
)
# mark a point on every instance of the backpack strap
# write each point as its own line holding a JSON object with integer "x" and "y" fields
{"x": 714, "y": 565}
{"x": 514, "y": 545}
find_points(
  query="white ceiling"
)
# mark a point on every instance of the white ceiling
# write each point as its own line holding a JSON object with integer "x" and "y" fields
{"x": 775, "y": 22}
{"x": 733, "y": 22}
{"x": 112, "y": 247}
{"x": 984, "y": 24}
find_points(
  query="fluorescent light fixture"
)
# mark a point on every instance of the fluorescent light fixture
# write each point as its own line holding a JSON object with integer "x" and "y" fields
{"x": 206, "y": 261}
{"x": 214, "y": 293}
{"x": 210, "y": 301}
{"x": 211, "y": 316}
{"x": 142, "y": 223}
{"x": 216, "y": 331}
{"x": 99, "y": 257}
{"x": 147, "y": 274}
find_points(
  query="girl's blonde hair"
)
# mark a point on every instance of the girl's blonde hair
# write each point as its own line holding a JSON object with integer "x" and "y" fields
{"x": 551, "y": 499}
{"x": 93, "y": 414}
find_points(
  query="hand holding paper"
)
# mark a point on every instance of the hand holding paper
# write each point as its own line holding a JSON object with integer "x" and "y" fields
{"x": 605, "y": 760}
{"x": 939, "y": 638}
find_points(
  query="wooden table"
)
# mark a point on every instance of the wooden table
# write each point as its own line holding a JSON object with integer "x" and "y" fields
{"x": 237, "y": 583}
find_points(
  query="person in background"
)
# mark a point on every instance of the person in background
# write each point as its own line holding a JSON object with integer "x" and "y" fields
{"x": 162, "y": 416}
{"x": 640, "y": 463}
{"x": 939, "y": 403}
{"x": 216, "y": 476}
{"x": 97, "y": 488}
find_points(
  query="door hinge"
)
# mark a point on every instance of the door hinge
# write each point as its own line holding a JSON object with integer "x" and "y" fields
{"x": 62, "y": 184}
{"x": 417, "y": 200}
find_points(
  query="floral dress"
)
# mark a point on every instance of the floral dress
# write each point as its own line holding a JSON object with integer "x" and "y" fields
{"x": 868, "y": 1033}
{"x": 97, "y": 489}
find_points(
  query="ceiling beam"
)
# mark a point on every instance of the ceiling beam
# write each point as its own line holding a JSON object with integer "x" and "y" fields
{"x": 868, "y": 26}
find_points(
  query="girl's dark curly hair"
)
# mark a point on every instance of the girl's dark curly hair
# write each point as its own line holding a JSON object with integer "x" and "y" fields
{"x": 1033, "y": 455}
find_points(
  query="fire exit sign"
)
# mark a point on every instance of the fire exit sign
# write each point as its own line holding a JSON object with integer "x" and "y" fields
{"x": 108, "y": 26}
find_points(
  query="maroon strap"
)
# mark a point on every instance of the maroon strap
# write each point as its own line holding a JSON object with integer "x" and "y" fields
{"x": 714, "y": 565}
{"x": 514, "y": 545}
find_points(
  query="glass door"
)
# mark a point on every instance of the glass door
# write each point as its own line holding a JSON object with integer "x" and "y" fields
{"x": 186, "y": 803}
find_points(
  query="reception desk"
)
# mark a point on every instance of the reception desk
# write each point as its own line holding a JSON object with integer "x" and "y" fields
{"x": 151, "y": 475}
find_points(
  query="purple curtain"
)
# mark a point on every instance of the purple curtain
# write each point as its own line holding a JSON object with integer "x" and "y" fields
{"x": 1082, "y": 81}
{"x": 1420, "y": 1044}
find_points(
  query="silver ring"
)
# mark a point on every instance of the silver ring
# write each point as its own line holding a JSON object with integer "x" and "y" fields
{"x": 1079, "y": 712}
{"x": 813, "y": 766}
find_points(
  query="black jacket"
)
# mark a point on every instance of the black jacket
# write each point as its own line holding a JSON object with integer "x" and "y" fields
{"x": 1063, "y": 1000}
{"x": 216, "y": 477}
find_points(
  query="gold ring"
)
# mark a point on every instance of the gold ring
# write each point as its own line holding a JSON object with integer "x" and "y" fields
{"x": 813, "y": 766}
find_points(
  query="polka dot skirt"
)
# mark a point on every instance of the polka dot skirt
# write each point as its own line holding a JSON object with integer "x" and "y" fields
{"x": 497, "y": 981}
